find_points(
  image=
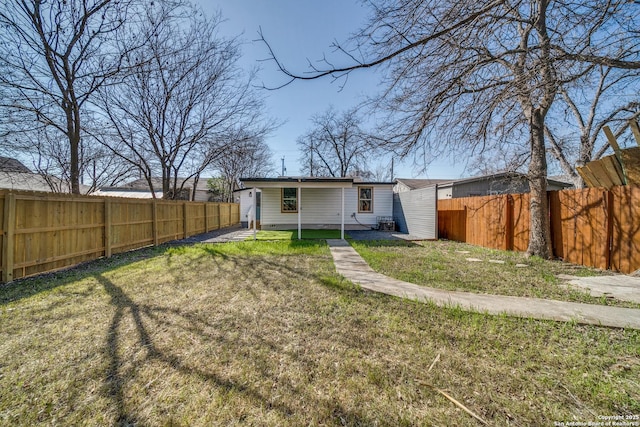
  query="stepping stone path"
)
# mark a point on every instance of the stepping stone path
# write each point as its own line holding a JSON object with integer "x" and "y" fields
{"x": 493, "y": 261}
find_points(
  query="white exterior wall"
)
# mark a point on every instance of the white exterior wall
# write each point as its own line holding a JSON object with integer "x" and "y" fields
{"x": 246, "y": 205}
{"x": 321, "y": 208}
{"x": 419, "y": 212}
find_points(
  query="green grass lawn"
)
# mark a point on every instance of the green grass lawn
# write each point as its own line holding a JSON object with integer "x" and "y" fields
{"x": 266, "y": 333}
{"x": 293, "y": 234}
{"x": 444, "y": 265}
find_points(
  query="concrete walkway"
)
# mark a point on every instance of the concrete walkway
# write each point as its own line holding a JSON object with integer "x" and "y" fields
{"x": 351, "y": 265}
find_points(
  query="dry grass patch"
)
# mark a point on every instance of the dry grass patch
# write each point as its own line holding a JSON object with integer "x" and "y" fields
{"x": 258, "y": 333}
{"x": 444, "y": 265}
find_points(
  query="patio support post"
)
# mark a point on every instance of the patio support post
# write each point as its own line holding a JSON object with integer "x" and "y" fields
{"x": 254, "y": 211}
{"x": 299, "y": 213}
{"x": 342, "y": 215}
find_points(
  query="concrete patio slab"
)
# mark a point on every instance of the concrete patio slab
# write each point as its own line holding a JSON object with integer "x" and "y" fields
{"x": 626, "y": 288}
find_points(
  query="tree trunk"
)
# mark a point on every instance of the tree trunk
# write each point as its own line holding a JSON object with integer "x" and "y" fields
{"x": 74, "y": 167}
{"x": 166, "y": 185}
{"x": 540, "y": 228}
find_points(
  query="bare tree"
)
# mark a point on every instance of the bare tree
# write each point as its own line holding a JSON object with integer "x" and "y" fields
{"x": 605, "y": 96}
{"x": 335, "y": 146}
{"x": 248, "y": 157}
{"x": 180, "y": 108}
{"x": 54, "y": 56}
{"x": 467, "y": 75}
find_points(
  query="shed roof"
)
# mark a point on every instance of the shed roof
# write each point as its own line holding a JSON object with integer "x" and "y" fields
{"x": 416, "y": 183}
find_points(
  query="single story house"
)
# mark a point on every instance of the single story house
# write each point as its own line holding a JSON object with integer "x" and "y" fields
{"x": 317, "y": 203}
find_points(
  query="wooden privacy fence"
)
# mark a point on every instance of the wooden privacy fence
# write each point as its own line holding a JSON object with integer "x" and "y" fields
{"x": 593, "y": 226}
{"x": 43, "y": 231}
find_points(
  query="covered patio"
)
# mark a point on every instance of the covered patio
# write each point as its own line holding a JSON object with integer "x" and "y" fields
{"x": 293, "y": 191}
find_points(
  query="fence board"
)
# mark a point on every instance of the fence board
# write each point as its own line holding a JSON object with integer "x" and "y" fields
{"x": 521, "y": 221}
{"x": 51, "y": 231}
{"x": 625, "y": 240}
{"x": 579, "y": 226}
{"x": 3, "y": 241}
{"x": 452, "y": 225}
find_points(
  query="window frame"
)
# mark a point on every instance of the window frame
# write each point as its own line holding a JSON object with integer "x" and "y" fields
{"x": 282, "y": 199}
{"x": 360, "y": 199}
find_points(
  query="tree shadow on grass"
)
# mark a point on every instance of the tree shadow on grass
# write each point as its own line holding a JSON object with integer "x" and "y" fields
{"x": 255, "y": 351}
{"x": 33, "y": 285}
{"x": 115, "y": 380}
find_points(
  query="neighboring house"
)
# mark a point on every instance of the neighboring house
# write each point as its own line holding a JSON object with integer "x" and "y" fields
{"x": 499, "y": 183}
{"x": 317, "y": 203}
{"x": 131, "y": 193}
{"x": 140, "y": 189}
{"x": 16, "y": 176}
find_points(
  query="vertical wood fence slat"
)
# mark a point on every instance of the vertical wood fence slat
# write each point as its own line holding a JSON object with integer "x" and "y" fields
{"x": 609, "y": 218}
{"x": 206, "y": 218}
{"x": 107, "y": 228}
{"x": 509, "y": 226}
{"x": 184, "y": 220}
{"x": 9, "y": 227}
{"x": 154, "y": 214}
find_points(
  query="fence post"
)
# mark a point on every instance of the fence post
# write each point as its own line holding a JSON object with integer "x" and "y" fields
{"x": 184, "y": 219}
{"x": 154, "y": 213}
{"x": 8, "y": 242}
{"x": 107, "y": 227}
{"x": 607, "y": 197}
{"x": 508, "y": 228}
{"x": 206, "y": 218}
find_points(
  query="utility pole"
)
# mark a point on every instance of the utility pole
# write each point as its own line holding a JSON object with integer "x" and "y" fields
{"x": 284, "y": 170}
{"x": 392, "y": 169}
{"x": 311, "y": 161}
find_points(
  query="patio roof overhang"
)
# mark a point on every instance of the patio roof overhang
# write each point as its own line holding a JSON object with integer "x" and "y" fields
{"x": 302, "y": 182}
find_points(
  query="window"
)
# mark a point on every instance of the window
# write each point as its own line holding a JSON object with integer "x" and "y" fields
{"x": 289, "y": 200}
{"x": 365, "y": 199}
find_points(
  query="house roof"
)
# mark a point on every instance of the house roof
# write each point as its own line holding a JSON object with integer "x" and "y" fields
{"x": 7, "y": 164}
{"x": 29, "y": 181}
{"x": 143, "y": 185}
{"x": 415, "y": 184}
{"x": 126, "y": 192}
{"x": 26, "y": 181}
{"x": 501, "y": 175}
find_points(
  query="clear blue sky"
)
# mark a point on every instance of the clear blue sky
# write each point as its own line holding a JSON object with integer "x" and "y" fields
{"x": 299, "y": 30}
